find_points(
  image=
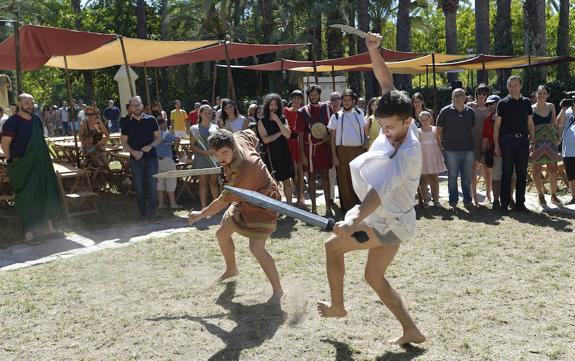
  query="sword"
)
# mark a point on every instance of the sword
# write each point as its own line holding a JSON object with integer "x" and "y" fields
{"x": 349, "y": 30}
{"x": 260, "y": 200}
{"x": 187, "y": 173}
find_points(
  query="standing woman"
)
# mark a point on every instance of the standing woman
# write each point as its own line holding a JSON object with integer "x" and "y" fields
{"x": 231, "y": 119}
{"x": 274, "y": 132}
{"x": 481, "y": 113}
{"x": 545, "y": 145}
{"x": 199, "y": 144}
{"x": 94, "y": 136}
{"x": 566, "y": 123}
{"x": 291, "y": 117}
{"x": 373, "y": 125}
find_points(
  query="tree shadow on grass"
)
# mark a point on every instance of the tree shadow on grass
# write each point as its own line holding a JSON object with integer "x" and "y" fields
{"x": 342, "y": 350}
{"x": 409, "y": 353}
{"x": 254, "y": 324}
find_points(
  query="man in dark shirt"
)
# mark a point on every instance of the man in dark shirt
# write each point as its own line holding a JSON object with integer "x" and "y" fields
{"x": 513, "y": 125}
{"x": 30, "y": 169}
{"x": 112, "y": 115}
{"x": 454, "y": 127}
{"x": 140, "y": 137}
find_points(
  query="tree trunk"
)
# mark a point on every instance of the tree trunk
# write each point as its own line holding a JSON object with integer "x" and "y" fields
{"x": 482, "y": 34}
{"x": 267, "y": 8}
{"x": 76, "y": 6}
{"x": 503, "y": 42}
{"x": 563, "y": 39}
{"x": 354, "y": 77}
{"x": 164, "y": 20}
{"x": 141, "y": 19}
{"x": 449, "y": 8}
{"x": 364, "y": 21}
{"x": 334, "y": 37}
{"x": 535, "y": 40}
{"x": 403, "y": 40}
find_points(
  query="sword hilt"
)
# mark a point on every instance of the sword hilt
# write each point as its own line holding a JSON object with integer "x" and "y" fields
{"x": 360, "y": 236}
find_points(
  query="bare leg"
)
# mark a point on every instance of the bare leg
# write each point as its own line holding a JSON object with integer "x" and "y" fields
{"x": 299, "y": 182}
{"x": 224, "y": 235}
{"x": 496, "y": 190}
{"x": 433, "y": 180}
{"x": 172, "y": 198}
{"x": 335, "y": 248}
{"x": 288, "y": 190}
{"x": 325, "y": 184}
{"x": 311, "y": 183}
{"x": 488, "y": 182}
{"x": 537, "y": 168}
{"x": 377, "y": 262}
{"x": 257, "y": 247}
{"x": 474, "y": 181}
{"x": 161, "y": 199}
{"x": 204, "y": 191}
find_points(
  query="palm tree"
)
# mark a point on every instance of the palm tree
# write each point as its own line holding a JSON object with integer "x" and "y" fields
{"x": 334, "y": 37}
{"x": 535, "y": 40}
{"x": 364, "y": 20}
{"x": 142, "y": 18}
{"x": 449, "y": 8}
{"x": 563, "y": 38}
{"x": 503, "y": 42}
{"x": 403, "y": 39}
{"x": 482, "y": 33}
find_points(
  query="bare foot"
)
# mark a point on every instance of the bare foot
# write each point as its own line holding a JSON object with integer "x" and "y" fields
{"x": 228, "y": 274}
{"x": 414, "y": 336}
{"x": 327, "y": 310}
{"x": 313, "y": 209}
{"x": 276, "y": 297}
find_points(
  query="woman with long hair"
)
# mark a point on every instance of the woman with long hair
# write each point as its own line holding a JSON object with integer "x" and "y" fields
{"x": 231, "y": 118}
{"x": 481, "y": 113}
{"x": 372, "y": 124}
{"x": 418, "y": 106}
{"x": 275, "y": 132}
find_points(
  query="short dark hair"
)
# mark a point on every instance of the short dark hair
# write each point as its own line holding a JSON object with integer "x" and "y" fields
{"x": 313, "y": 87}
{"x": 220, "y": 139}
{"x": 296, "y": 93}
{"x": 482, "y": 88}
{"x": 393, "y": 103}
{"x": 514, "y": 77}
{"x": 160, "y": 120}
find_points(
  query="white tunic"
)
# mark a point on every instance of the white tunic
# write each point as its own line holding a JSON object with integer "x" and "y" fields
{"x": 349, "y": 128}
{"x": 394, "y": 179}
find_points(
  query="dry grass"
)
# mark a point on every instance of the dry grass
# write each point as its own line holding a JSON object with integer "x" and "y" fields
{"x": 480, "y": 287}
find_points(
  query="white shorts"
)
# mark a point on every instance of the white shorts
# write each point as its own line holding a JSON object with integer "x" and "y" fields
{"x": 166, "y": 184}
{"x": 181, "y": 134}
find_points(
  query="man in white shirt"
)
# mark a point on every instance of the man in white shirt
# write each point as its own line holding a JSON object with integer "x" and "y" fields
{"x": 348, "y": 140}
{"x": 3, "y": 118}
{"x": 385, "y": 179}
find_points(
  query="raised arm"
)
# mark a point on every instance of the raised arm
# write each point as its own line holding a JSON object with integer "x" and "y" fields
{"x": 380, "y": 69}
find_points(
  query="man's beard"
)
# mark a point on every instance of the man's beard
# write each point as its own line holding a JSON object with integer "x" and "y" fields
{"x": 347, "y": 109}
{"x": 28, "y": 110}
{"x": 314, "y": 102}
{"x": 138, "y": 112}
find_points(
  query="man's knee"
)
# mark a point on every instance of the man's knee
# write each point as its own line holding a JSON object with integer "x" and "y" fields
{"x": 257, "y": 247}
{"x": 333, "y": 246}
{"x": 223, "y": 232}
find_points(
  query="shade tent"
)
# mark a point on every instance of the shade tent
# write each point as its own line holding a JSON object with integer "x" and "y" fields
{"x": 40, "y": 43}
{"x": 137, "y": 51}
{"x": 217, "y": 52}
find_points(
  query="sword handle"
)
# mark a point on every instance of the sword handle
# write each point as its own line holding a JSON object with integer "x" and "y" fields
{"x": 360, "y": 237}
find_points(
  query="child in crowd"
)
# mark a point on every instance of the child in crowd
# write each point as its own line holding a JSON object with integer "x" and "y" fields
{"x": 432, "y": 157}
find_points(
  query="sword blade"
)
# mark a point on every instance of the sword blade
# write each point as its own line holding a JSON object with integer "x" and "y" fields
{"x": 349, "y": 29}
{"x": 260, "y": 200}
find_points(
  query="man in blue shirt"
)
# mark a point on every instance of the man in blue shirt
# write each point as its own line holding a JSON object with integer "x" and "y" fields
{"x": 112, "y": 116}
{"x": 140, "y": 137}
{"x": 165, "y": 164}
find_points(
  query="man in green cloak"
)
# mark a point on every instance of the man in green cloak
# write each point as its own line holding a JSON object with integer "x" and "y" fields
{"x": 37, "y": 199}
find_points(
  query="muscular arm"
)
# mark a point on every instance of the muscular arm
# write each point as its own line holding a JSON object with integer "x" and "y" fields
{"x": 6, "y": 141}
{"x": 380, "y": 69}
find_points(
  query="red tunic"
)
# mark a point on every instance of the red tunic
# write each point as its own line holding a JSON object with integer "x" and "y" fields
{"x": 316, "y": 150}
{"x": 291, "y": 116}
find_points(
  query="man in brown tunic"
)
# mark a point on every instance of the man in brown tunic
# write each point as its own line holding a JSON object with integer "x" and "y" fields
{"x": 244, "y": 168}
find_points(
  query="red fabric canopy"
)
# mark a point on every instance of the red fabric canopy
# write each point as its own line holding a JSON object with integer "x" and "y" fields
{"x": 359, "y": 59}
{"x": 39, "y": 43}
{"x": 217, "y": 52}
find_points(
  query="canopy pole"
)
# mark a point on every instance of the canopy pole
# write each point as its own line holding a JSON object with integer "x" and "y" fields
{"x": 419, "y": 80}
{"x": 17, "y": 44}
{"x": 434, "y": 87}
{"x": 333, "y": 77}
{"x": 530, "y": 78}
{"x": 231, "y": 86}
{"x": 281, "y": 76}
{"x": 71, "y": 114}
{"x": 485, "y": 72}
{"x": 148, "y": 100}
{"x": 126, "y": 65}
{"x": 426, "y": 76}
{"x": 214, "y": 77}
{"x": 312, "y": 49}
{"x": 157, "y": 85}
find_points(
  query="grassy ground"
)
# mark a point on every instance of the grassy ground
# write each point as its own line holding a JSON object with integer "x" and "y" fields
{"x": 480, "y": 287}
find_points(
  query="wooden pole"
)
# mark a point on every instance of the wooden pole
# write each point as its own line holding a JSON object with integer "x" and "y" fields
{"x": 214, "y": 77}
{"x": 434, "y": 87}
{"x": 485, "y": 72}
{"x": 312, "y": 49}
{"x": 333, "y": 77}
{"x": 17, "y": 45}
{"x": 281, "y": 76}
{"x": 126, "y": 65}
{"x": 231, "y": 86}
{"x": 530, "y": 78}
{"x": 426, "y": 76}
{"x": 71, "y": 113}
{"x": 157, "y": 84}
{"x": 148, "y": 100}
